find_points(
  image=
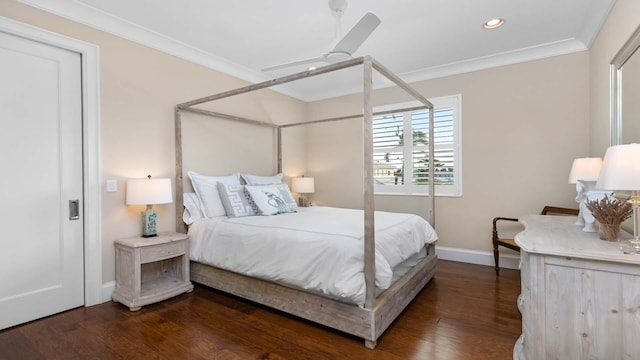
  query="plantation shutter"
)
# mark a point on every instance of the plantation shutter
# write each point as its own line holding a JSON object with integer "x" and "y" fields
{"x": 401, "y": 149}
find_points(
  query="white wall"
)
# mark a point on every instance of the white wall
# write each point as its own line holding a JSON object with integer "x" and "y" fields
{"x": 214, "y": 146}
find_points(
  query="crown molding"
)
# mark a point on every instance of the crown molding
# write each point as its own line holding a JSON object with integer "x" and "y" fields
{"x": 594, "y": 21}
{"x": 98, "y": 19}
{"x": 557, "y": 48}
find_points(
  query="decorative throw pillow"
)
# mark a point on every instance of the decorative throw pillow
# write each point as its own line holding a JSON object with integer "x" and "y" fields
{"x": 285, "y": 192}
{"x": 192, "y": 208}
{"x": 269, "y": 199}
{"x": 262, "y": 180}
{"x": 236, "y": 200}
{"x": 207, "y": 189}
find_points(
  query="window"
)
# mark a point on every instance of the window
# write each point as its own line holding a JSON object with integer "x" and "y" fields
{"x": 401, "y": 148}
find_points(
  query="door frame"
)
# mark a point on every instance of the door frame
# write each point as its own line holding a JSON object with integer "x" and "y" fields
{"x": 90, "y": 146}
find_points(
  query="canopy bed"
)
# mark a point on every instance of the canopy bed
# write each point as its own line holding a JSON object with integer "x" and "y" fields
{"x": 367, "y": 313}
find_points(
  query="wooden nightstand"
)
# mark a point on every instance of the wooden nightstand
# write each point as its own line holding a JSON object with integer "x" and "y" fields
{"x": 149, "y": 270}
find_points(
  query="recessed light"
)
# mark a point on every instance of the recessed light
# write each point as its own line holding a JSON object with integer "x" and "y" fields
{"x": 493, "y": 23}
{"x": 311, "y": 68}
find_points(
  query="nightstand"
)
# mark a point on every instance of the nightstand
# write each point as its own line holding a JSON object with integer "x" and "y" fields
{"x": 152, "y": 269}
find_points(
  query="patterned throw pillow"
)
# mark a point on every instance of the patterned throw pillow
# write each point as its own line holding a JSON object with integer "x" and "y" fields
{"x": 286, "y": 196}
{"x": 272, "y": 199}
{"x": 236, "y": 200}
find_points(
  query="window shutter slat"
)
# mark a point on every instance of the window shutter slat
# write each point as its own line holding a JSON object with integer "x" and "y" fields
{"x": 389, "y": 142}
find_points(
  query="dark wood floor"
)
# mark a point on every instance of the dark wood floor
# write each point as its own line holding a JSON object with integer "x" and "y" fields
{"x": 465, "y": 312}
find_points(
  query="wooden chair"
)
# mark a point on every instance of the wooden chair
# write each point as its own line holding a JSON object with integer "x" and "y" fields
{"x": 511, "y": 243}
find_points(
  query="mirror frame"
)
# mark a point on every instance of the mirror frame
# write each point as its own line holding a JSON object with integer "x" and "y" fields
{"x": 625, "y": 53}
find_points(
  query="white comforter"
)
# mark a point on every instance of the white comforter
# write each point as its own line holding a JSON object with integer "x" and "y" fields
{"x": 318, "y": 248}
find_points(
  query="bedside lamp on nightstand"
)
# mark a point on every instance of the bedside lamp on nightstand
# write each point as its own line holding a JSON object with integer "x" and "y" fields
{"x": 149, "y": 192}
{"x": 304, "y": 186}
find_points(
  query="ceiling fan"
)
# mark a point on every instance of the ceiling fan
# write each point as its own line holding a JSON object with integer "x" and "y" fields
{"x": 344, "y": 47}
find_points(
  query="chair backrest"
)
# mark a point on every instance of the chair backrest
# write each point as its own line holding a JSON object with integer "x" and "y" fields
{"x": 554, "y": 210}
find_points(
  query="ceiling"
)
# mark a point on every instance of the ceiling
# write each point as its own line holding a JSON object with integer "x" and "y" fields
{"x": 417, "y": 39}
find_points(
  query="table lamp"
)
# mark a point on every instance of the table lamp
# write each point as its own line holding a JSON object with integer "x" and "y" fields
{"x": 621, "y": 171}
{"x": 149, "y": 192}
{"x": 303, "y": 185}
{"x": 584, "y": 173}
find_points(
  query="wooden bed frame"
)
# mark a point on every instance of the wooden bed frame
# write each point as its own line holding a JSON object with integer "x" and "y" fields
{"x": 370, "y": 321}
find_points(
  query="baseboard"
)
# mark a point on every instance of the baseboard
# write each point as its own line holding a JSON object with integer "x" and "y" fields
{"x": 507, "y": 261}
{"x": 107, "y": 290}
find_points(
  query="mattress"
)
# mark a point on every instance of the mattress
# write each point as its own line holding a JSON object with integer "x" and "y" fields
{"x": 318, "y": 249}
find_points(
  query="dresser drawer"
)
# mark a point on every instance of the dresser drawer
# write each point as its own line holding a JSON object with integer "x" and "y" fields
{"x": 163, "y": 251}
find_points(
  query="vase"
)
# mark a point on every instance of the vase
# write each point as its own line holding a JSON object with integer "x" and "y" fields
{"x": 609, "y": 232}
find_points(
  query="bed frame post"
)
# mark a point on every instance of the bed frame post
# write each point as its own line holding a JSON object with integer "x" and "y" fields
{"x": 180, "y": 225}
{"x": 279, "y": 145}
{"x": 369, "y": 225}
{"x": 432, "y": 162}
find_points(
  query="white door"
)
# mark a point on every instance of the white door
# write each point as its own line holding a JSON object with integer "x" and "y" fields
{"x": 41, "y": 246}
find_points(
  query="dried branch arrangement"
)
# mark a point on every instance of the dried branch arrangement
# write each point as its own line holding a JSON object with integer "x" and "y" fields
{"x": 610, "y": 210}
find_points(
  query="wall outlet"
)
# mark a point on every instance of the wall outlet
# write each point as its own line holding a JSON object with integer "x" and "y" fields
{"x": 112, "y": 185}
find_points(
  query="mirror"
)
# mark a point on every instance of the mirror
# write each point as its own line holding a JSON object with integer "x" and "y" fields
{"x": 625, "y": 93}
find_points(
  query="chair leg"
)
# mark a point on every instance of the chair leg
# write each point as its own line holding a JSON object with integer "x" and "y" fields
{"x": 496, "y": 258}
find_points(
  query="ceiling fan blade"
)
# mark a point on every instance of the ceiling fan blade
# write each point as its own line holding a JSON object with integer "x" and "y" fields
{"x": 294, "y": 63}
{"x": 358, "y": 34}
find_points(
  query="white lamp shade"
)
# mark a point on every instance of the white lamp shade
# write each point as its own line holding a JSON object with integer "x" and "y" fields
{"x": 149, "y": 191}
{"x": 303, "y": 185}
{"x": 620, "y": 168}
{"x": 585, "y": 169}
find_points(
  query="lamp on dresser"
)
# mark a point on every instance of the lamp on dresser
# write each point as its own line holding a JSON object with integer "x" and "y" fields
{"x": 303, "y": 186}
{"x": 584, "y": 173}
{"x": 621, "y": 171}
{"x": 149, "y": 192}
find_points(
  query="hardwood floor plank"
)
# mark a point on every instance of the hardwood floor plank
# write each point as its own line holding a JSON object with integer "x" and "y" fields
{"x": 14, "y": 345}
{"x": 465, "y": 312}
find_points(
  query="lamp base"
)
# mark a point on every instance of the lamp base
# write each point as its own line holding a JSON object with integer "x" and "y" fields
{"x": 149, "y": 222}
{"x": 302, "y": 201}
{"x": 630, "y": 246}
{"x": 587, "y": 192}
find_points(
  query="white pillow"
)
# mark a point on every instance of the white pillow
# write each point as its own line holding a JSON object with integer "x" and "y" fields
{"x": 192, "y": 208}
{"x": 236, "y": 201}
{"x": 270, "y": 199}
{"x": 262, "y": 180}
{"x": 207, "y": 189}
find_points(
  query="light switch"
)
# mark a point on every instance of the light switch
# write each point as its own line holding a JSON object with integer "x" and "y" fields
{"x": 112, "y": 185}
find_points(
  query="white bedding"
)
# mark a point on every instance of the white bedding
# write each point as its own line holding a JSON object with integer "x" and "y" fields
{"x": 319, "y": 249}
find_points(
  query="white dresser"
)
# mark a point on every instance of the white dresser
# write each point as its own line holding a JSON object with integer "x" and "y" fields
{"x": 580, "y": 295}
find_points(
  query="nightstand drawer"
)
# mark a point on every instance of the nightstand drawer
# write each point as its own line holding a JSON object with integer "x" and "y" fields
{"x": 159, "y": 252}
